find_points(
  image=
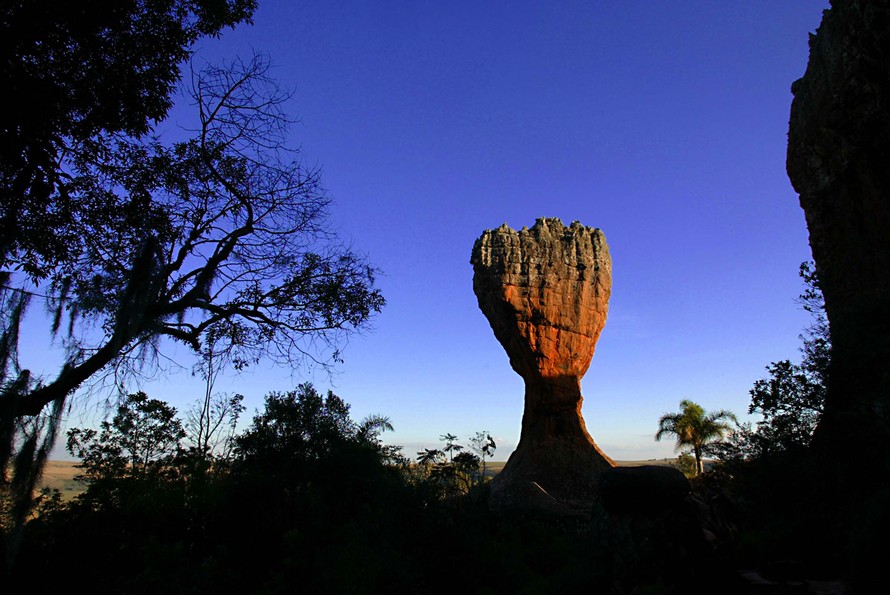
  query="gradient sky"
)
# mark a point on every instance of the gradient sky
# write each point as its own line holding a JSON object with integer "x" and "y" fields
{"x": 662, "y": 123}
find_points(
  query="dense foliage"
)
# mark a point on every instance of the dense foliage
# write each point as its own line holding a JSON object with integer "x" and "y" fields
{"x": 768, "y": 473}
{"x": 142, "y": 438}
{"x": 72, "y": 71}
{"x": 791, "y": 398}
{"x": 311, "y": 500}
{"x": 219, "y": 242}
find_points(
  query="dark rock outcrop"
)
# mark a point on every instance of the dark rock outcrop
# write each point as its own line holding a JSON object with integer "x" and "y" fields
{"x": 839, "y": 163}
{"x": 545, "y": 292}
{"x": 644, "y": 490}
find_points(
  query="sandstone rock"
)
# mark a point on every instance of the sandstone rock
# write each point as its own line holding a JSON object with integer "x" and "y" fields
{"x": 528, "y": 498}
{"x": 839, "y": 163}
{"x": 545, "y": 292}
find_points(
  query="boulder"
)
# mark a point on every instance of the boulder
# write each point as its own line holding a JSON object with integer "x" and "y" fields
{"x": 646, "y": 490}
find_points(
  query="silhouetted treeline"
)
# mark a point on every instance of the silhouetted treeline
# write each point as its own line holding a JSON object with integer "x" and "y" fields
{"x": 312, "y": 501}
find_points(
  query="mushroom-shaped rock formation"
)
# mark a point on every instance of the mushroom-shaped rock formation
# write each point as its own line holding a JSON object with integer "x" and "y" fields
{"x": 545, "y": 292}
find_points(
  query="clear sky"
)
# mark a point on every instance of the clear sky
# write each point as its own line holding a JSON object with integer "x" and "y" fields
{"x": 662, "y": 123}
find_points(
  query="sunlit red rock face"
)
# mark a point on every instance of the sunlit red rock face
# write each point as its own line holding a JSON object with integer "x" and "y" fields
{"x": 545, "y": 292}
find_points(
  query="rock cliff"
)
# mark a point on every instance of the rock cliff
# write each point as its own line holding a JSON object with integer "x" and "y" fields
{"x": 545, "y": 292}
{"x": 839, "y": 163}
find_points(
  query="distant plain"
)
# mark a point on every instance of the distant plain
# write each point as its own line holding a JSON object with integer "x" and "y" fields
{"x": 60, "y": 475}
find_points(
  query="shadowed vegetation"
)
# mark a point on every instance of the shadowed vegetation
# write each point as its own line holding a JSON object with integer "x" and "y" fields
{"x": 220, "y": 242}
{"x": 311, "y": 497}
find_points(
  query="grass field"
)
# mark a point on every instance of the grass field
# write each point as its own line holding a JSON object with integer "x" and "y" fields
{"x": 59, "y": 475}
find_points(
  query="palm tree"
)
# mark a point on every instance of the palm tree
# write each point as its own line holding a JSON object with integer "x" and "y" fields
{"x": 695, "y": 427}
{"x": 430, "y": 456}
{"x": 451, "y": 446}
{"x": 372, "y": 426}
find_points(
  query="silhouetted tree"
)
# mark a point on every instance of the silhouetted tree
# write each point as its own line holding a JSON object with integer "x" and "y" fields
{"x": 220, "y": 238}
{"x": 695, "y": 428}
{"x": 430, "y": 456}
{"x": 71, "y": 71}
{"x": 451, "y": 445}
{"x": 210, "y": 423}
{"x": 369, "y": 431}
{"x": 790, "y": 401}
{"x": 296, "y": 427}
{"x": 467, "y": 470}
{"x": 792, "y": 397}
{"x": 455, "y": 474}
{"x": 484, "y": 446}
{"x": 142, "y": 438}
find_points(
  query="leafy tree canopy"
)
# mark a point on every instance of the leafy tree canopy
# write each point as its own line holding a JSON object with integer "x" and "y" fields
{"x": 218, "y": 239}
{"x": 301, "y": 424}
{"x": 221, "y": 240}
{"x": 792, "y": 396}
{"x": 71, "y": 71}
{"x": 143, "y": 437}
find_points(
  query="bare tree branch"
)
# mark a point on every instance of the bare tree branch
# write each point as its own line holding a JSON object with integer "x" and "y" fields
{"x": 222, "y": 234}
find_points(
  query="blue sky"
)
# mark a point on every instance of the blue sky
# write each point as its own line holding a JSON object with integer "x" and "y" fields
{"x": 664, "y": 124}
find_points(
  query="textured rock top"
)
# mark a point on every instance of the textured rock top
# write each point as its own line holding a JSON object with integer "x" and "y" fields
{"x": 545, "y": 292}
{"x": 548, "y": 253}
